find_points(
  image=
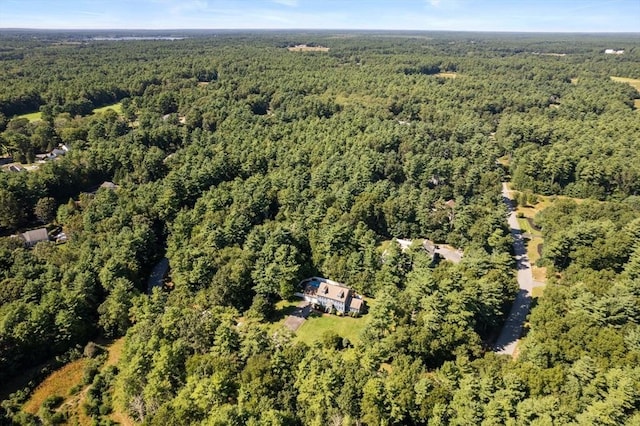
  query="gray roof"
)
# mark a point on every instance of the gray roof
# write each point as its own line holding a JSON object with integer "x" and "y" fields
{"x": 356, "y": 304}
{"x": 35, "y": 236}
{"x": 334, "y": 292}
{"x": 108, "y": 185}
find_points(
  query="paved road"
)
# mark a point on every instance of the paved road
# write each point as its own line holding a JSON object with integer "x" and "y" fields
{"x": 158, "y": 274}
{"x": 512, "y": 330}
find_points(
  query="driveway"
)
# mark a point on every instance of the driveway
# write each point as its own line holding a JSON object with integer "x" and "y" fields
{"x": 299, "y": 316}
{"x": 512, "y": 330}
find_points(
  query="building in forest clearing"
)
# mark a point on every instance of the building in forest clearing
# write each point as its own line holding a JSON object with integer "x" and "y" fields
{"x": 31, "y": 238}
{"x": 330, "y": 295}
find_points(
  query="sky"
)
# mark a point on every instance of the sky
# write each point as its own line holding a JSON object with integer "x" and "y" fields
{"x": 429, "y": 15}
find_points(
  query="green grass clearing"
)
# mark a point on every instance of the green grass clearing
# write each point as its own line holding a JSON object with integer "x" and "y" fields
{"x": 32, "y": 116}
{"x": 37, "y": 116}
{"x": 117, "y": 107}
{"x": 318, "y": 324}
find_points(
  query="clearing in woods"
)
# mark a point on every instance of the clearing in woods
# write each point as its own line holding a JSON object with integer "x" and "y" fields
{"x": 117, "y": 107}
{"x": 305, "y": 48}
{"x": 37, "y": 116}
{"x": 32, "y": 116}
{"x": 68, "y": 376}
{"x": 633, "y": 82}
{"x": 446, "y": 74}
{"x": 58, "y": 383}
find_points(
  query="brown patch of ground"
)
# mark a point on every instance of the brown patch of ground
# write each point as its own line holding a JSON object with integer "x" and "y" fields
{"x": 122, "y": 419}
{"x": 305, "y": 48}
{"x": 62, "y": 380}
{"x": 58, "y": 383}
{"x": 633, "y": 82}
{"x": 446, "y": 74}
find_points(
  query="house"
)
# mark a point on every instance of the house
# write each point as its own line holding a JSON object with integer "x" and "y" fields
{"x": 331, "y": 295}
{"x": 430, "y": 248}
{"x": 108, "y": 185}
{"x": 613, "y": 52}
{"x": 62, "y": 149}
{"x": 31, "y": 238}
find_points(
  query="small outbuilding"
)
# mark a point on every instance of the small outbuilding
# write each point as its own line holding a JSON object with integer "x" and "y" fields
{"x": 33, "y": 237}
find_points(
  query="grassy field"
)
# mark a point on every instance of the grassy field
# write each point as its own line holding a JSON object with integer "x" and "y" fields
{"x": 32, "y": 116}
{"x": 37, "y": 116}
{"x": 446, "y": 74}
{"x": 318, "y": 324}
{"x": 62, "y": 380}
{"x": 58, "y": 383}
{"x": 634, "y": 82}
{"x": 115, "y": 107}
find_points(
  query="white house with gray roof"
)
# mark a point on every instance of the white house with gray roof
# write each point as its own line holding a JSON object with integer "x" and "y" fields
{"x": 331, "y": 295}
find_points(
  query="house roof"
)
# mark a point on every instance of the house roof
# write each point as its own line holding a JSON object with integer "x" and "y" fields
{"x": 310, "y": 289}
{"x": 356, "y": 304}
{"x": 108, "y": 185}
{"x": 333, "y": 292}
{"x": 35, "y": 236}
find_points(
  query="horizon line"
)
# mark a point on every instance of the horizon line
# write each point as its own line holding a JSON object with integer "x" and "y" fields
{"x": 321, "y": 29}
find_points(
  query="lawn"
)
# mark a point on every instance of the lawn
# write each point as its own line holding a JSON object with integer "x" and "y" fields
{"x": 318, "y": 324}
{"x": 117, "y": 107}
{"x": 32, "y": 116}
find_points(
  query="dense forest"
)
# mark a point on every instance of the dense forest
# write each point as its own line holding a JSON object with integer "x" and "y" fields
{"x": 251, "y": 167}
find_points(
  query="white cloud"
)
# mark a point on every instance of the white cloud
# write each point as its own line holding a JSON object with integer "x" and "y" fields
{"x": 434, "y": 3}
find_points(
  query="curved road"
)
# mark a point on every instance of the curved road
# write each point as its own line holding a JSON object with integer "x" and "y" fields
{"x": 508, "y": 339}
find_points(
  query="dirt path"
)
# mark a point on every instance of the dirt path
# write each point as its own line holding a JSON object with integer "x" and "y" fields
{"x": 512, "y": 330}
